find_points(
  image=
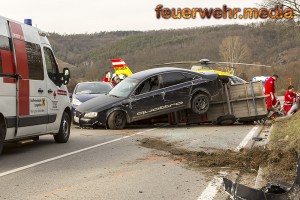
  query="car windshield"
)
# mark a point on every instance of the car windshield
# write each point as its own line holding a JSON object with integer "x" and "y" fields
{"x": 201, "y": 67}
{"x": 124, "y": 88}
{"x": 236, "y": 80}
{"x": 93, "y": 88}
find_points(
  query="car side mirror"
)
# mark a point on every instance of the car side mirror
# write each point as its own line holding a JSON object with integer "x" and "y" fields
{"x": 66, "y": 76}
{"x": 70, "y": 95}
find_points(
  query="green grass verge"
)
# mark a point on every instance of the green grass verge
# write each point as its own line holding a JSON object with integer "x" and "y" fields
{"x": 286, "y": 134}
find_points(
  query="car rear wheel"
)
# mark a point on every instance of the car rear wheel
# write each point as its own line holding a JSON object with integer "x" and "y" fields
{"x": 116, "y": 120}
{"x": 200, "y": 103}
{"x": 64, "y": 131}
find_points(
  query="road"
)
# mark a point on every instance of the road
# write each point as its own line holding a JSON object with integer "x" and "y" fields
{"x": 107, "y": 164}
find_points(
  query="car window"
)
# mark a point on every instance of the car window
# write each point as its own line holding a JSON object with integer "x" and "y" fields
{"x": 35, "y": 63}
{"x": 189, "y": 76}
{"x": 174, "y": 78}
{"x": 52, "y": 68}
{"x": 124, "y": 88}
{"x": 93, "y": 88}
{"x": 150, "y": 84}
{"x": 4, "y": 45}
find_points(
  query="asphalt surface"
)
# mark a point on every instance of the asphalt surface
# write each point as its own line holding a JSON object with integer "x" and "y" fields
{"x": 107, "y": 164}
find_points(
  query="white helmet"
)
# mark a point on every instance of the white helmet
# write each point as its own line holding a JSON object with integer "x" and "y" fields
{"x": 113, "y": 76}
{"x": 122, "y": 76}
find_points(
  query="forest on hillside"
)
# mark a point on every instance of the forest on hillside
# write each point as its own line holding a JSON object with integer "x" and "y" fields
{"x": 270, "y": 43}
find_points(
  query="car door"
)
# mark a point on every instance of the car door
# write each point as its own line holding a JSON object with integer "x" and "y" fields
{"x": 177, "y": 89}
{"x": 32, "y": 110}
{"x": 148, "y": 99}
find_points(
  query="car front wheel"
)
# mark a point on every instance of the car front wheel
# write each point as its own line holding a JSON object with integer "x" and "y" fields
{"x": 64, "y": 131}
{"x": 200, "y": 103}
{"x": 116, "y": 120}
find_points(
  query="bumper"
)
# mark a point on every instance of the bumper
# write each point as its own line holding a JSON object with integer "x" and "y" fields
{"x": 89, "y": 122}
{"x": 73, "y": 112}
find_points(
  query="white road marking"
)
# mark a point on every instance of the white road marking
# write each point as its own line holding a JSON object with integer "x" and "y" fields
{"x": 248, "y": 137}
{"x": 211, "y": 190}
{"x": 71, "y": 153}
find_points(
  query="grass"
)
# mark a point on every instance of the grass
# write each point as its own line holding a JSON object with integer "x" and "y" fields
{"x": 285, "y": 147}
{"x": 286, "y": 134}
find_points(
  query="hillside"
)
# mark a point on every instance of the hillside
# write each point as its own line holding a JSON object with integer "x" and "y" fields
{"x": 271, "y": 43}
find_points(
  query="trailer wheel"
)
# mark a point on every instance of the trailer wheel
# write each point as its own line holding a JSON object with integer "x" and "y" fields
{"x": 2, "y": 135}
{"x": 116, "y": 120}
{"x": 226, "y": 120}
{"x": 200, "y": 103}
{"x": 64, "y": 131}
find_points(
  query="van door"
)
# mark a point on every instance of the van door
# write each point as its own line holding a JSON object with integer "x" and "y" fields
{"x": 32, "y": 111}
{"x": 55, "y": 95}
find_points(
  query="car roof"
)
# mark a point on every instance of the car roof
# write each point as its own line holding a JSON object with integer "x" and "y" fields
{"x": 150, "y": 72}
{"x": 94, "y": 82}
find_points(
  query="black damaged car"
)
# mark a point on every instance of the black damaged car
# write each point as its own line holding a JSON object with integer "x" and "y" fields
{"x": 148, "y": 94}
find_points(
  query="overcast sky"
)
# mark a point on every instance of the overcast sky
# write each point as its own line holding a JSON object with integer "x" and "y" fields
{"x": 90, "y": 16}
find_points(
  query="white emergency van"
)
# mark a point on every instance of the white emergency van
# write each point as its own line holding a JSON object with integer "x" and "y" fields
{"x": 34, "y": 100}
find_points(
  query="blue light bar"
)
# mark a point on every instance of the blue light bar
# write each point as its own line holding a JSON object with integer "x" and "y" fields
{"x": 28, "y": 22}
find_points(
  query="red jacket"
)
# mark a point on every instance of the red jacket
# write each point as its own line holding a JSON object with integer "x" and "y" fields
{"x": 270, "y": 86}
{"x": 289, "y": 98}
{"x": 105, "y": 79}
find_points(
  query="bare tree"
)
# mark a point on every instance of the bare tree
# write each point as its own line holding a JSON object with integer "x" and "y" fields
{"x": 294, "y": 5}
{"x": 233, "y": 50}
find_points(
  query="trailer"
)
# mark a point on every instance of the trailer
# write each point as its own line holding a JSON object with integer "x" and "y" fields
{"x": 244, "y": 102}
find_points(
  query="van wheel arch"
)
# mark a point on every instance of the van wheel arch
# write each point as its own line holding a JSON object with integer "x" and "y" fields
{"x": 3, "y": 129}
{"x": 68, "y": 111}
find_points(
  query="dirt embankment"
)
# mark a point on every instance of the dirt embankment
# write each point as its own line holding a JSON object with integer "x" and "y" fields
{"x": 278, "y": 163}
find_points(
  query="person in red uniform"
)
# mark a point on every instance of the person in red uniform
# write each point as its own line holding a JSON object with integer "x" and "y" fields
{"x": 270, "y": 91}
{"x": 289, "y": 99}
{"x": 106, "y": 77}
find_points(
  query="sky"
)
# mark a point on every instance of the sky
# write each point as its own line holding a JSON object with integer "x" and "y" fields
{"x": 90, "y": 16}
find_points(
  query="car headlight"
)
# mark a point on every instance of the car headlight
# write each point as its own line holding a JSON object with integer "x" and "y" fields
{"x": 91, "y": 114}
{"x": 76, "y": 102}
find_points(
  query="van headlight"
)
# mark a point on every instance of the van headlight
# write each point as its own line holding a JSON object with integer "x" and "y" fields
{"x": 76, "y": 102}
{"x": 91, "y": 114}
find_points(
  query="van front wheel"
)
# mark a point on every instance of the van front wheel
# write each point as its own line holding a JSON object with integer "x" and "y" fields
{"x": 64, "y": 131}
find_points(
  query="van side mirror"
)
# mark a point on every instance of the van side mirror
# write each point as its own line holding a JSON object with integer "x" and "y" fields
{"x": 66, "y": 76}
